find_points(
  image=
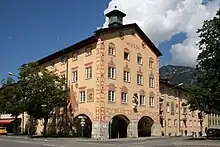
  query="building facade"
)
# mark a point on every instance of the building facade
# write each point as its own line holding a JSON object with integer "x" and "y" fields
{"x": 175, "y": 116}
{"x": 114, "y": 81}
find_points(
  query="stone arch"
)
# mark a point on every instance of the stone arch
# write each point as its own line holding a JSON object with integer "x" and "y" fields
{"x": 118, "y": 125}
{"x": 86, "y": 112}
{"x": 82, "y": 130}
{"x": 145, "y": 126}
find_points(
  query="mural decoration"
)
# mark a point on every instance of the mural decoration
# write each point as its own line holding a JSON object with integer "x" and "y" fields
{"x": 90, "y": 95}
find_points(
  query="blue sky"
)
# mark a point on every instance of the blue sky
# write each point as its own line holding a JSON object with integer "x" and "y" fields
{"x": 30, "y": 30}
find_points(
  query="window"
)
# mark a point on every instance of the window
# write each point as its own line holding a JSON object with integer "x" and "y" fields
{"x": 111, "y": 72}
{"x": 52, "y": 65}
{"x": 140, "y": 79}
{"x": 124, "y": 97}
{"x": 168, "y": 107}
{"x": 151, "y": 62}
{"x": 63, "y": 59}
{"x": 177, "y": 109}
{"x": 88, "y": 72}
{"x": 181, "y": 123}
{"x": 151, "y": 101}
{"x": 139, "y": 60}
{"x": 111, "y": 96}
{"x": 184, "y": 110}
{"x": 151, "y": 82}
{"x": 169, "y": 123}
{"x": 74, "y": 56}
{"x": 190, "y": 123}
{"x": 172, "y": 108}
{"x": 175, "y": 123}
{"x": 194, "y": 123}
{"x": 142, "y": 100}
{"x": 126, "y": 55}
{"x": 126, "y": 76}
{"x": 111, "y": 49}
{"x": 74, "y": 76}
{"x": 82, "y": 96}
{"x": 88, "y": 51}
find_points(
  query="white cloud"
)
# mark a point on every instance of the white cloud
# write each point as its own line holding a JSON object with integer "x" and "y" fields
{"x": 161, "y": 20}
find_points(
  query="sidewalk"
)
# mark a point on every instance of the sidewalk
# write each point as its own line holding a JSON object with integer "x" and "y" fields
{"x": 197, "y": 143}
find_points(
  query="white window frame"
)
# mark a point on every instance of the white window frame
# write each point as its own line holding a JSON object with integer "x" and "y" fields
{"x": 177, "y": 109}
{"x": 88, "y": 72}
{"x": 151, "y": 82}
{"x": 74, "y": 76}
{"x": 151, "y": 101}
{"x": 175, "y": 123}
{"x": 181, "y": 123}
{"x": 168, "y": 108}
{"x": 139, "y": 60}
{"x": 127, "y": 76}
{"x": 169, "y": 123}
{"x": 124, "y": 97}
{"x": 140, "y": 79}
{"x": 111, "y": 50}
{"x": 111, "y": 72}
{"x": 142, "y": 100}
{"x": 82, "y": 96}
{"x": 111, "y": 96}
{"x": 194, "y": 123}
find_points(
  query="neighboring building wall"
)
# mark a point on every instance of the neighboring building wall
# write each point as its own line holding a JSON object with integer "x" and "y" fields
{"x": 172, "y": 122}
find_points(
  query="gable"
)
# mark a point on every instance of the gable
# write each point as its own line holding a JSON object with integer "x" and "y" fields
{"x": 121, "y": 31}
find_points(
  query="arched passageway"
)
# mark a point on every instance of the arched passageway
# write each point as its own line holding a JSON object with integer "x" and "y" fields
{"x": 144, "y": 126}
{"x": 118, "y": 126}
{"x": 83, "y": 130}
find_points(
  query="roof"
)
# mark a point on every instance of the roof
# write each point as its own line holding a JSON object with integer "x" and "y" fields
{"x": 94, "y": 38}
{"x": 166, "y": 82}
{"x": 115, "y": 12}
{"x": 69, "y": 49}
{"x": 139, "y": 31}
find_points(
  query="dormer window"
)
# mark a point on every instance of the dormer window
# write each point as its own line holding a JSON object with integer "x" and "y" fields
{"x": 88, "y": 51}
{"x": 111, "y": 49}
{"x": 74, "y": 56}
{"x": 126, "y": 54}
{"x": 139, "y": 59}
{"x": 63, "y": 59}
{"x": 151, "y": 62}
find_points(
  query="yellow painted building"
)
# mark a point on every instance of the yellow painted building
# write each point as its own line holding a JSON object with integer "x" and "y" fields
{"x": 175, "y": 116}
{"x": 104, "y": 72}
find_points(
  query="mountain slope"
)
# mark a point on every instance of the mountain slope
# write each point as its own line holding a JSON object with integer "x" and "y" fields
{"x": 178, "y": 74}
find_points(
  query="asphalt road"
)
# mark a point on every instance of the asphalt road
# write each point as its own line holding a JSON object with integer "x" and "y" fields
{"x": 13, "y": 141}
{"x": 8, "y": 141}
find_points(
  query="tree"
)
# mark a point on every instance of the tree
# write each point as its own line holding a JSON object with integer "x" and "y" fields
{"x": 206, "y": 94}
{"x": 10, "y": 99}
{"x": 42, "y": 91}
